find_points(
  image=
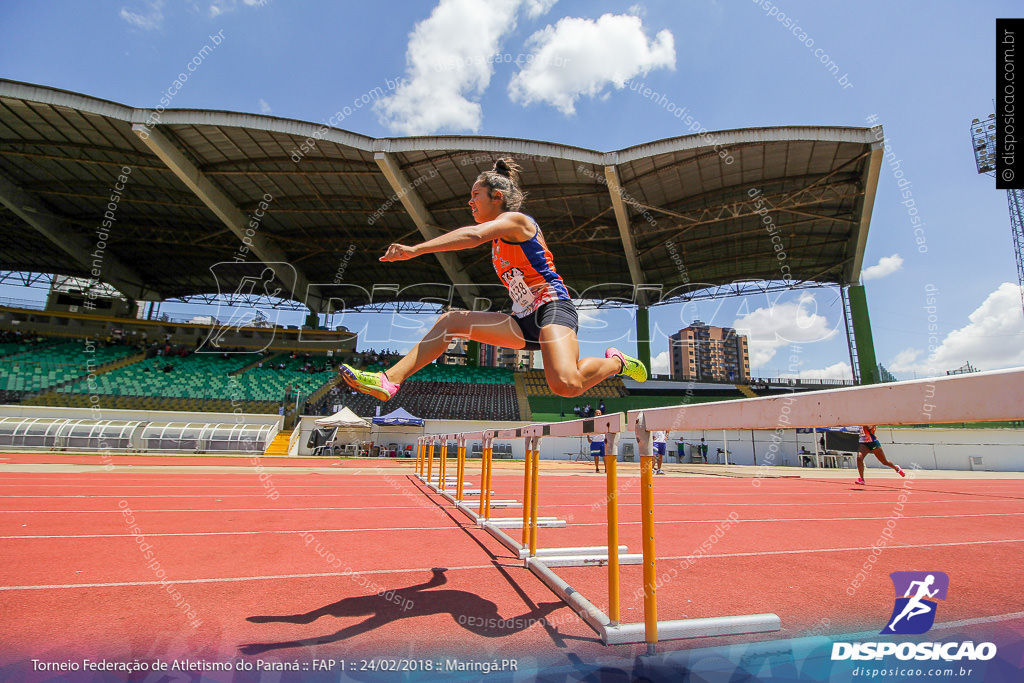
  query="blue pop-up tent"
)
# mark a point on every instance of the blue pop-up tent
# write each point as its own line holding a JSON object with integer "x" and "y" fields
{"x": 399, "y": 417}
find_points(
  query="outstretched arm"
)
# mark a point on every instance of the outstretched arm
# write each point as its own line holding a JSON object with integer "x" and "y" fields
{"x": 511, "y": 225}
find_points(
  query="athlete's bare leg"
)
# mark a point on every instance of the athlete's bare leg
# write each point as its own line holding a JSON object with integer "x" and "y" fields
{"x": 567, "y": 374}
{"x": 496, "y": 329}
{"x": 880, "y": 454}
{"x": 862, "y": 451}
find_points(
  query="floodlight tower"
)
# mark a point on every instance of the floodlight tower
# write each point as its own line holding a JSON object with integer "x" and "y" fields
{"x": 983, "y": 135}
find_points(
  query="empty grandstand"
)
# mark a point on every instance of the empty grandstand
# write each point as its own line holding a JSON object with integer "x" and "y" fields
{"x": 27, "y": 367}
{"x": 441, "y": 392}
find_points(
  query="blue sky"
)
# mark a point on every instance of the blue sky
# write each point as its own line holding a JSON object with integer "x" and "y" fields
{"x": 924, "y": 69}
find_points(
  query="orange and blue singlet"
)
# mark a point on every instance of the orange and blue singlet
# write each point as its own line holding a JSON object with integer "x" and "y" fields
{"x": 868, "y": 438}
{"x": 527, "y": 269}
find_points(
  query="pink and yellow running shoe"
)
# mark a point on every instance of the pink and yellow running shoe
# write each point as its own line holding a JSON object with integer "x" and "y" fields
{"x": 631, "y": 367}
{"x": 375, "y": 384}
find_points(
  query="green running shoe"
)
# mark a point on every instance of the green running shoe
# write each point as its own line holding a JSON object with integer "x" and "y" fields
{"x": 631, "y": 367}
{"x": 375, "y": 384}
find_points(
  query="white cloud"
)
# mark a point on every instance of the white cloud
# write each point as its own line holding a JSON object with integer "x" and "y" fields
{"x": 578, "y": 57}
{"x": 993, "y": 339}
{"x": 588, "y": 315}
{"x": 904, "y": 361}
{"x": 219, "y": 7}
{"x": 887, "y": 265}
{"x": 450, "y": 56}
{"x": 792, "y": 322}
{"x": 264, "y": 107}
{"x": 150, "y": 18}
{"x": 536, "y": 8}
{"x": 840, "y": 370}
{"x": 660, "y": 364}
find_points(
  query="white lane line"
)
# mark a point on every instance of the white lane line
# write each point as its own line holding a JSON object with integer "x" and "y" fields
{"x": 801, "y": 519}
{"x": 916, "y": 501}
{"x": 138, "y": 510}
{"x": 665, "y": 522}
{"x": 246, "y": 533}
{"x": 254, "y": 486}
{"x": 254, "y": 494}
{"x": 841, "y": 550}
{"x": 236, "y": 578}
{"x": 961, "y": 623}
{"x": 1011, "y": 616}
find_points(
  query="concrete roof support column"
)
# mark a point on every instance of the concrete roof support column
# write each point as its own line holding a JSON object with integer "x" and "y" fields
{"x": 265, "y": 248}
{"x": 410, "y": 198}
{"x": 84, "y": 250}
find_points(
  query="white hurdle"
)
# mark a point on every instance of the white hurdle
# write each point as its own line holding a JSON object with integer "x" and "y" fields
{"x": 979, "y": 397}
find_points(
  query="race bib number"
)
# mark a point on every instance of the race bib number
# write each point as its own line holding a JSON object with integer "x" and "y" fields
{"x": 522, "y": 296}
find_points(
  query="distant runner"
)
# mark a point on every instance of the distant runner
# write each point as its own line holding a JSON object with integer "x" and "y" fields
{"x": 869, "y": 444}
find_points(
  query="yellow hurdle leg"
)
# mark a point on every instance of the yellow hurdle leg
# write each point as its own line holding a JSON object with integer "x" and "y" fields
{"x": 483, "y": 480}
{"x": 486, "y": 493}
{"x": 430, "y": 461}
{"x": 460, "y": 470}
{"x": 650, "y": 572}
{"x": 613, "y": 534}
{"x": 535, "y": 494}
{"x": 442, "y": 465}
{"x": 527, "y": 493}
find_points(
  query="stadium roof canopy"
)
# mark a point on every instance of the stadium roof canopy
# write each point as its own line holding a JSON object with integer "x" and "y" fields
{"x": 670, "y": 218}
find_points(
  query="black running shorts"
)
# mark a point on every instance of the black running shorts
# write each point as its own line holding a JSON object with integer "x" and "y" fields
{"x": 560, "y": 312}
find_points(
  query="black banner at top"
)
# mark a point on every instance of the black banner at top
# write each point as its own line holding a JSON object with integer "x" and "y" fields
{"x": 1009, "y": 141}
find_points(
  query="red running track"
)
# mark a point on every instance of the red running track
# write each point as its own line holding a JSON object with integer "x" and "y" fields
{"x": 340, "y": 563}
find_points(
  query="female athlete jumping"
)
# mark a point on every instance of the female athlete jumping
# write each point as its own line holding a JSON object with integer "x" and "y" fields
{"x": 543, "y": 316}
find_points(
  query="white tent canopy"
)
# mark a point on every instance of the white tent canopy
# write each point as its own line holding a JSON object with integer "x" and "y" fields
{"x": 345, "y": 419}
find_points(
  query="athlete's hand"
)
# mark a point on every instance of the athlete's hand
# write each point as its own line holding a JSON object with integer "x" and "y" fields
{"x": 397, "y": 252}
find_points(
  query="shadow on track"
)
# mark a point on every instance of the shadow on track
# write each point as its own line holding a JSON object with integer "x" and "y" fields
{"x": 469, "y": 610}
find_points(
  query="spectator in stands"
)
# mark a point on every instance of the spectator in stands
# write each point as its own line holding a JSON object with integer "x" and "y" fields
{"x": 545, "y": 317}
{"x": 660, "y": 441}
{"x": 597, "y": 447}
{"x": 576, "y": 410}
{"x": 587, "y": 410}
{"x": 600, "y": 406}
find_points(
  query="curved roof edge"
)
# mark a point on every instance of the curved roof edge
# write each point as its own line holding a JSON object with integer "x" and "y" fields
{"x": 724, "y": 139}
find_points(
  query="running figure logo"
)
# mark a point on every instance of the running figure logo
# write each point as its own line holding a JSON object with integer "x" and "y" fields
{"x": 914, "y": 611}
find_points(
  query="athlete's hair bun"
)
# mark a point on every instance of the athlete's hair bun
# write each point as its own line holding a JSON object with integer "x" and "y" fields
{"x": 504, "y": 177}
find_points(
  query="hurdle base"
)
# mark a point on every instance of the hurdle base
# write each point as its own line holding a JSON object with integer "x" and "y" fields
{"x": 591, "y": 560}
{"x": 679, "y": 629}
{"x": 543, "y": 553}
{"x": 515, "y": 523}
{"x": 625, "y": 634}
